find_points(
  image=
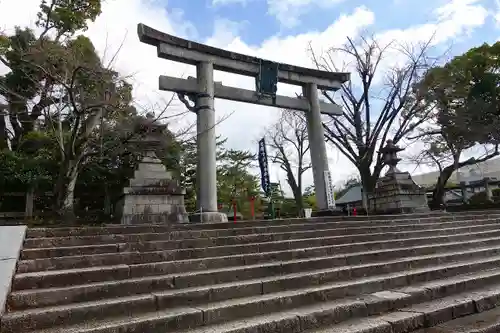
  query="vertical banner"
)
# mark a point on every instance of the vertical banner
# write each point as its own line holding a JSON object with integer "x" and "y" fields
{"x": 264, "y": 168}
{"x": 330, "y": 195}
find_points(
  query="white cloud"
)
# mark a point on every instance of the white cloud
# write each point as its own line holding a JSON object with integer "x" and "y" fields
{"x": 288, "y": 12}
{"x": 115, "y": 30}
{"x": 497, "y": 13}
{"x": 225, "y": 31}
{"x": 229, "y": 2}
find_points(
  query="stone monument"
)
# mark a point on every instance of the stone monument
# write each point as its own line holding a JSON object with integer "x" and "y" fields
{"x": 152, "y": 195}
{"x": 396, "y": 192}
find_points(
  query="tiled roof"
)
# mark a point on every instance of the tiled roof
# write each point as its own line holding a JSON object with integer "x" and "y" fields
{"x": 352, "y": 195}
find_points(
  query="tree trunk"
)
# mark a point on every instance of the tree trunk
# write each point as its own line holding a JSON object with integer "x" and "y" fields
{"x": 296, "y": 189}
{"x": 367, "y": 185}
{"x": 65, "y": 191}
{"x": 440, "y": 188}
{"x": 30, "y": 195}
{"x": 4, "y": 138}
{"x": 298, "y": 201}
{"x": 107, "y": 201}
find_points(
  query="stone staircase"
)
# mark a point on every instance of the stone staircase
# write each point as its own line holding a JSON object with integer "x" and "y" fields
{"x": 378, "y": 275}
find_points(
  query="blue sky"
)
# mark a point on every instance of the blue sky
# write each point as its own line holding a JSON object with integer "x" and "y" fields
{"x": 458, "y": 24}
{"x": 256, "y": 23}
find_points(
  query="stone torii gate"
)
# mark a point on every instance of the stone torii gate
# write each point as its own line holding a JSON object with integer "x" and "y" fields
{"x": 267, "y": 74}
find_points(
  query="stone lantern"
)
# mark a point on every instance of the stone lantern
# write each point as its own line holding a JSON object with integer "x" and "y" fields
{"x": 390, "y": 155}
{"x": 152, "y": 195}
{"x": 150, "y": 135}
{"x": 396, "y": 192}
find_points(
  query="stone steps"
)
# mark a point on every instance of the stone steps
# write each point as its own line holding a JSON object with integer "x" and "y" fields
{"x": 59, "y": 278}
{"x": 263, "y": 298}
{"x": 176, "y": 240}
{"x": 257, "y": 276}
{"x": 340, "y": 221}
{"x": 207, "y": 238}
{"x": 185, "y": 253}
{"x": 184, "y": 231}
{"x": 405, "y": 309}
{"x": 434, "y": 300}
{"x": 287, "y": 266}
{"x": 478, "y": 302}
{"x": 150, "y": 255}
{"x": 481, "y": 322}
{"x": 234, "y": 282}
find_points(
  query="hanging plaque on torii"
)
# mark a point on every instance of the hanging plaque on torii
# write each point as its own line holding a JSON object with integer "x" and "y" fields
{"x": 267, "y": 74}
{"x": 266, "y": 83}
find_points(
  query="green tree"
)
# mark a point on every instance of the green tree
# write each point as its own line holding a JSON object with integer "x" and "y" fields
{"x": 111, "y": 160}
{"x": 464, "y": 94}
{"x": 67, "y": 17}
{"x": 33, "y": 165}
{"x": 32, "y": 61}
{"x": 235, "y": 181}
{"x": 75, "y": 91}
{"x": 309, "y": 196}
{"x": 32, "y": 168}
{"x": 186, "y": 168}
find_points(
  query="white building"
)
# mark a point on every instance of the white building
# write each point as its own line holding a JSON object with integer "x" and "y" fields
{"x": 490, "y": 168}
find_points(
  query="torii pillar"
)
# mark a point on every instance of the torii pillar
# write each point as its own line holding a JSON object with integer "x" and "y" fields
{"x": 317, "y": 147}
{"x": 203, "y": 90}
{"x": 206, "y": 145}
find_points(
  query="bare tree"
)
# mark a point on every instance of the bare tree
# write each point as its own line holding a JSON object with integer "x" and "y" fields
{"x": 379, "y": 102}
{"x": 289, "y": 143}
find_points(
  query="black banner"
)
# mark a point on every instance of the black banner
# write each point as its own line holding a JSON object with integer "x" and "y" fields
{"x": 264, "y": 169}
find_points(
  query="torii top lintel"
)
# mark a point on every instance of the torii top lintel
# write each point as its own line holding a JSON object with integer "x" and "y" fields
{"x": 186, "y": 51}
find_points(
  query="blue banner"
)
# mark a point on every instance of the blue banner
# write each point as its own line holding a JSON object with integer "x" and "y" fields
{"x": 264, "y": 168}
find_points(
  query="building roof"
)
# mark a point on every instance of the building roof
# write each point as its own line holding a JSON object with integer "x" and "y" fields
{"x": 490, "y": 168}
{"x": 352, "y": 195}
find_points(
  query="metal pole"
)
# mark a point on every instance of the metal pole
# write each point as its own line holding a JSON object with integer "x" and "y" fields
{"x": 206, "y": 138}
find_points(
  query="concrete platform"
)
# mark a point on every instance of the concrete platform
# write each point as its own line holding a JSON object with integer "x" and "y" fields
{"x": 208, "y": 217}
{"x": 11, "y": 241}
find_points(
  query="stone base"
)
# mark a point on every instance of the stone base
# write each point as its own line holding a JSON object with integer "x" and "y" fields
{"x": 400, "y": 211}
{"x": 400, "y": 203}
{"x": 326, "y": 212}
{"x": 151, "y": 218}
{"x": 151, "y": 208}
{"x": 397, "y": 193}
{"x": 208, "y": 217}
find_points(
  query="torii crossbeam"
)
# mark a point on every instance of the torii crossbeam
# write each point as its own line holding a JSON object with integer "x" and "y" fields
{"x": 267, "y": 74}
